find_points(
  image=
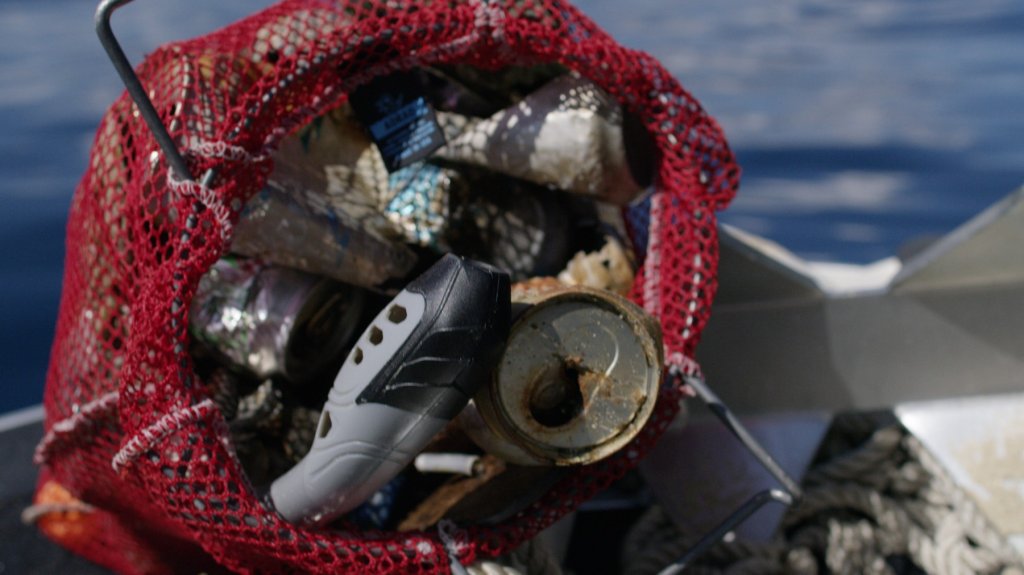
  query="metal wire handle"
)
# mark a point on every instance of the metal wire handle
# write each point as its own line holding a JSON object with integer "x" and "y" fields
{"x": 135, "y": 89}
{"x": 789, "y": 495}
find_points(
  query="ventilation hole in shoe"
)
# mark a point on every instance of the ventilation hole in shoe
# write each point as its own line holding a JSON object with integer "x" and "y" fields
{"x": 376, "y": 335}
{"x": 397, "y": 314}
{"x": 357, "y": 357}
{"x": 325, "y": 425}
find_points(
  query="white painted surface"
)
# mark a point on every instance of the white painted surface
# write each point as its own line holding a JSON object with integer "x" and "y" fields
{"x": 980, "y": 441}
{"x": 21, "y": 417}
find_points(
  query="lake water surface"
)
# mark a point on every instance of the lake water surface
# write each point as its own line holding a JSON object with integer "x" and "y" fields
{"x": 859, "y": 125}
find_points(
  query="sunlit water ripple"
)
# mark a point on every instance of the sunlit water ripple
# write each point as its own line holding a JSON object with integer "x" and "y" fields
{"x": 860, "y": 125}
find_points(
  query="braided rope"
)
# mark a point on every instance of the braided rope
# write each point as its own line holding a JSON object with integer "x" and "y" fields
{"x": 33, "y": 513}
{"x": 884, "y": 507}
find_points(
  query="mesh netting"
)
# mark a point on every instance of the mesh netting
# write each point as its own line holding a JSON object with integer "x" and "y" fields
{"x": 131, "y": 429}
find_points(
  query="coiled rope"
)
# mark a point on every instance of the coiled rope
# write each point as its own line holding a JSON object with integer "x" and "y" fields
{"x": 876, "y": 502}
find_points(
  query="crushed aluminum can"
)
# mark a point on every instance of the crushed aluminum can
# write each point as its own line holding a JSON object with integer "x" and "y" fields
{"x": 577, "y": 380}
{"x": 517, "y": 226}
{"x": 267, "y": 320}
{"x": 453, "y": 125}
{"x": 290, "y": 227}
{"x": 321, "y": 209}
{"x": 333, "y": 157}
{"x": 569, "y": 134}
{"x": 608, "y": 268}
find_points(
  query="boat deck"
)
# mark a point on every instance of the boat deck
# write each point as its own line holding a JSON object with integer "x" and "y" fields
{"x": 23, "y": 549}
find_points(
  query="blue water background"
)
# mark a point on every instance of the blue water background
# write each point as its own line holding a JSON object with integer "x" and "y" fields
{"x": 860, "y": 125}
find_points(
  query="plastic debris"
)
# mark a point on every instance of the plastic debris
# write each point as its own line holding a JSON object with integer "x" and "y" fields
{"x": 608, "y": 268}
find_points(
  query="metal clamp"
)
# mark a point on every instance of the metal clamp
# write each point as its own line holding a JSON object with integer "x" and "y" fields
{"x": 789, "y": 495}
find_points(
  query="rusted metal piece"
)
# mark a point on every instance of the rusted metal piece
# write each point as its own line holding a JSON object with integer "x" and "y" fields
{"x": 578, "y": 378}
{"x": 505, "y": 495}
{"x": 434, "y": 507}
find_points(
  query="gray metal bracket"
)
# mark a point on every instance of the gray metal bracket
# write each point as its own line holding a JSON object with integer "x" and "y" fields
{"x": 788, "y": 495}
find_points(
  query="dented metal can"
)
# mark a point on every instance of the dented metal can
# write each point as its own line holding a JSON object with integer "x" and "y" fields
{"x": 321, "y": 208}
{"x": 517, "y": 226}
{"x": 569, "y": 134}
{"x": 267, "y": 320}
{"x": 578, "y": 378}
{"x": 609, "y": 268}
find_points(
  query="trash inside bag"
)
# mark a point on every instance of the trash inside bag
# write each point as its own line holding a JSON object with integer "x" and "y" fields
{"x": 481, "y": 233}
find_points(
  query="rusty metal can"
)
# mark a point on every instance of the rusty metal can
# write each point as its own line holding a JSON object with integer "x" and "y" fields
{"x": 267, "y": 320}
{"x": 577, "y": 380}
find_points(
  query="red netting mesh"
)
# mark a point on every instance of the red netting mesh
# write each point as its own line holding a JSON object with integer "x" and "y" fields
{"x": 121, "y": 387}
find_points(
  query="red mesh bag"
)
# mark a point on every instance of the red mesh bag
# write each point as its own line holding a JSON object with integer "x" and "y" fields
{"x": 132, "y": 431}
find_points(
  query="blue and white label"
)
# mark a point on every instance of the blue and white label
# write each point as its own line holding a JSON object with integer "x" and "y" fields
{"x": 402, "y": 124}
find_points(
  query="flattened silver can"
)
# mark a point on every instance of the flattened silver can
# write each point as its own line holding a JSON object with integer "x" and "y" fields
{"x": 288, "y": 226}
{"x": 577, "y": 381}
{"x": 569, "y": 134}
{"x": 321, "y": 208}
{"x": 267, "y": 320}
